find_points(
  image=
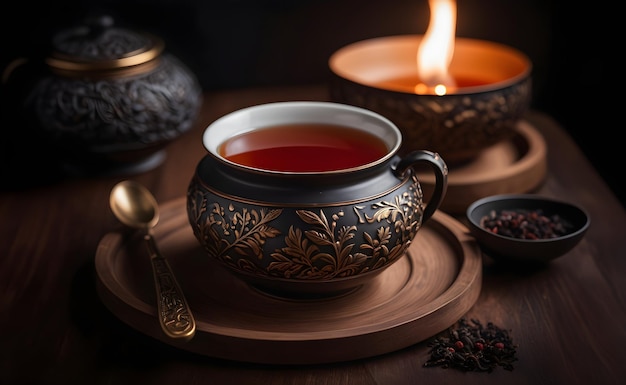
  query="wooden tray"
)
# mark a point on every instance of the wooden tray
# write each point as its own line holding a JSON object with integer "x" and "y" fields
{"x": 417, "y": 297}
{"x": 514, "y": 166}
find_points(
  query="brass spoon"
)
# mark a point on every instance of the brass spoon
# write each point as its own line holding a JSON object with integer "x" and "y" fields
{"x": 136, "y": 207}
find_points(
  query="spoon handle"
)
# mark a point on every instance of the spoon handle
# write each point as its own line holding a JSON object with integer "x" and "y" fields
{"x": 174, "y": 313}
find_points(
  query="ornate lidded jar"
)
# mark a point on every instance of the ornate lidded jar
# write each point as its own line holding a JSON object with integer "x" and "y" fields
{"x": 110, "y": 99}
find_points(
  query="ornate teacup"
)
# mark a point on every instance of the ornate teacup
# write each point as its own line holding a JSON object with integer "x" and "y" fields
{"x": 325, "y": 207}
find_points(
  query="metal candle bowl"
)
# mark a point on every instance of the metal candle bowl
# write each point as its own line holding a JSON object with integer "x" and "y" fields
{"x": 458, "y": 125}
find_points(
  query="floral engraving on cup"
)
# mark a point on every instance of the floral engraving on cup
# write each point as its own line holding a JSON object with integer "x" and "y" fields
{"x": 319, "y": 247}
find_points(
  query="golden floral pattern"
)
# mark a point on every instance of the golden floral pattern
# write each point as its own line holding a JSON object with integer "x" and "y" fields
{"x": 457, "y": 126}
{"x": 325, "y": 243}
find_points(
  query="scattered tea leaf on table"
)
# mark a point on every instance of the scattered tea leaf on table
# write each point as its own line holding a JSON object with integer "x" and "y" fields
{"x": 472, "y": 347}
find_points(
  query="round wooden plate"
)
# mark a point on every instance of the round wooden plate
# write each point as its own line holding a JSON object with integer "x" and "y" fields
{"x": 419, "y": 296}
{"x": 514, "y": 166}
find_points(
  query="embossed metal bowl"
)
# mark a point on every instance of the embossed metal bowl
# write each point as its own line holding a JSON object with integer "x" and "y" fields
{"x": 493, "y": 92}
{"x": 303, "y": 234}
{"x": 555, "y": 230}
{"x": 107, "y": 99}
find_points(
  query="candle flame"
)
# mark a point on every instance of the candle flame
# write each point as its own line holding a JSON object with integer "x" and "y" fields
{"x": 437, "y": 48}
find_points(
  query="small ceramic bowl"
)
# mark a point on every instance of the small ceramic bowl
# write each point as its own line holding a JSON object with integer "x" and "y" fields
{"x": 526, "y": 227}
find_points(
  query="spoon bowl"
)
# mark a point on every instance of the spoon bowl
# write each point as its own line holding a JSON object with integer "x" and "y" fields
{"x": 134, "y": 206}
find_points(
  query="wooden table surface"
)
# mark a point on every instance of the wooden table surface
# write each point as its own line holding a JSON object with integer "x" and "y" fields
{"x": 568, "y": 319}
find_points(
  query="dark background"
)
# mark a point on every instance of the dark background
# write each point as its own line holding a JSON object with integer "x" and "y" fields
{"x": 242, "y": 43}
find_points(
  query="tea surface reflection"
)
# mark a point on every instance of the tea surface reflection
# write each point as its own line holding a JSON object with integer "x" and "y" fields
{"x": 304, "y": 148}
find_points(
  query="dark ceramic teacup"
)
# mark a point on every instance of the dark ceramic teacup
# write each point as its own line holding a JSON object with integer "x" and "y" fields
{"x": 317, "y": 222}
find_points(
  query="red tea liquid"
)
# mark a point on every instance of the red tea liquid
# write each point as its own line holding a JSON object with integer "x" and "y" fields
{"x": 308, "y": 147}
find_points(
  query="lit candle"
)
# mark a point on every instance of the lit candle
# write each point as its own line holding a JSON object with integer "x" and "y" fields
{"x": 391, "y": 63}
{"x": 458, "y": 99}
{"x": 436, "y": 49}
{"x": 433, "y": 73}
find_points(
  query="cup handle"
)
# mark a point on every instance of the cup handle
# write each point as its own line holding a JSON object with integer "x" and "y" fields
{"x": 441, "y": 174}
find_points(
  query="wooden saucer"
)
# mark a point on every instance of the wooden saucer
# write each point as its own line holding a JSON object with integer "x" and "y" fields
{"x": 419, "y": 296}
{"x": 514, "y": 166}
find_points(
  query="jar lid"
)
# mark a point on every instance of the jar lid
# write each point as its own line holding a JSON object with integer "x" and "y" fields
{"x": 98, "y": 45}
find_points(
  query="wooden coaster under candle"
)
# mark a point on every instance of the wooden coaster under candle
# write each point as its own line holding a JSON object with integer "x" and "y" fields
{"x": 516, "y": 165}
